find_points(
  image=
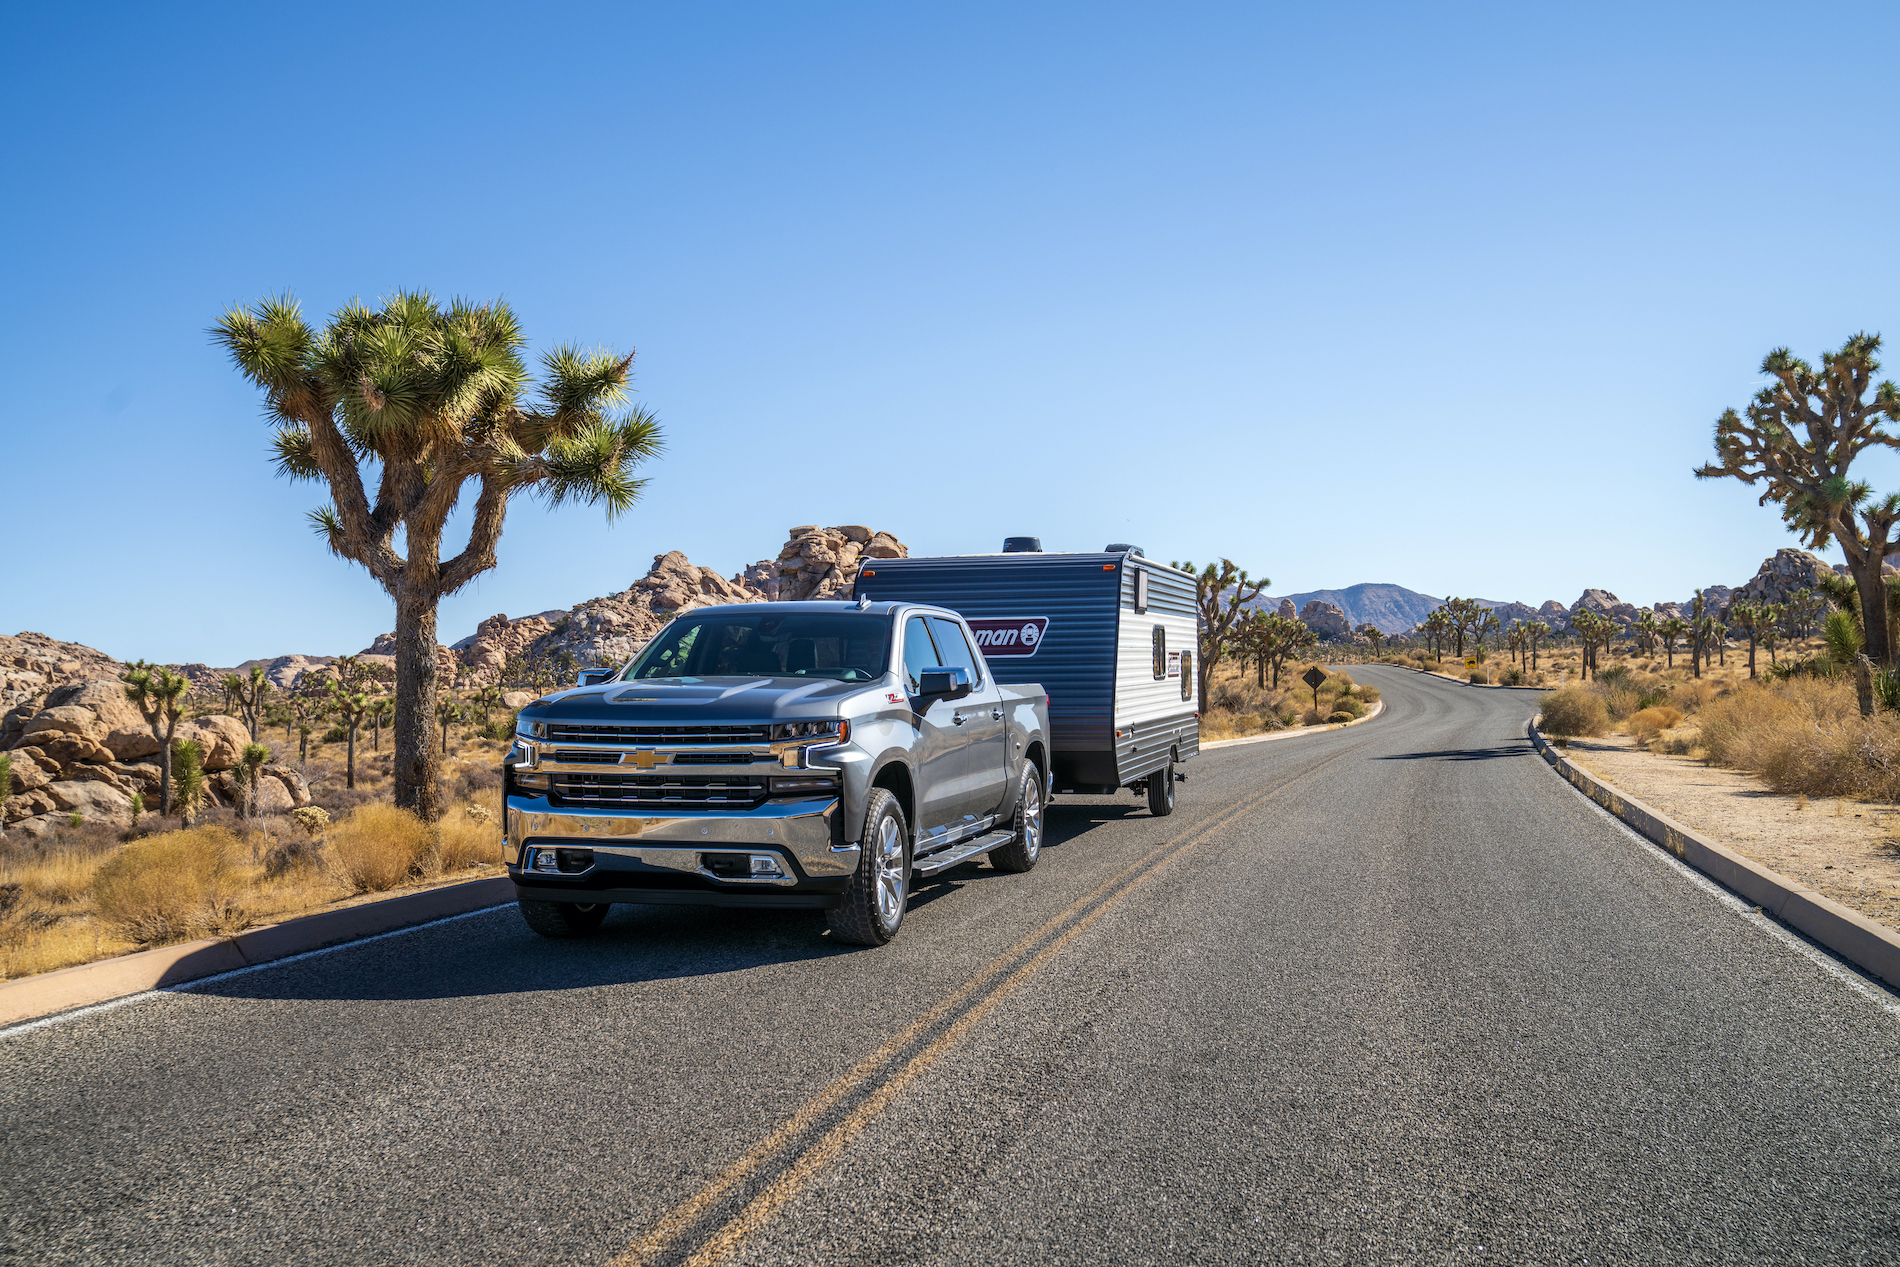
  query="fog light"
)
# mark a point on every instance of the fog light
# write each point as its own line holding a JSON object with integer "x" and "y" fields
{"x": 544, "y": 860}
{"x": 765, "y": 864}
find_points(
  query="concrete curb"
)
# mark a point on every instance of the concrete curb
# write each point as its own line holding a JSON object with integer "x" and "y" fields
{"x": 1847, "y": 933}
{"x": 1483, "y": 686}
{"x": 89, "y": 983}
{"x": 1378, "y": 706}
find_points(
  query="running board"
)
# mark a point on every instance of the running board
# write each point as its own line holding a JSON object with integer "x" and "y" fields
{"x": 962, "y": 853}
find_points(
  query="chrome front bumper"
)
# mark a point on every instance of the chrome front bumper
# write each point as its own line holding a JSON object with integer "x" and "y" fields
{"x": 804, "y": 830}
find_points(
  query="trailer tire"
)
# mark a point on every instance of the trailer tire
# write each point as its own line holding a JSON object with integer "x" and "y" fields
{"x": 1161, "y": 791}
{"x": 871, "y": 909}
{"x": 562, "y": 920}
{"x": 1025, "y": 847}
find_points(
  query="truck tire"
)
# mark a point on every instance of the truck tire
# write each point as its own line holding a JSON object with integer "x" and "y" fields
{"x": 562, "y": 919}
{"x": 1020, "y": 854}
{"x": 1161, "y": 791}
{"x": 871, "y": 909}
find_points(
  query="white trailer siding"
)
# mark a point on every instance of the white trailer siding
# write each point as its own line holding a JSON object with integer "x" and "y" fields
{"x": 1156, "y": 654}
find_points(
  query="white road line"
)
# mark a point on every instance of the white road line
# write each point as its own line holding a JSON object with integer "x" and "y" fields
{"x": 185, "y": 987}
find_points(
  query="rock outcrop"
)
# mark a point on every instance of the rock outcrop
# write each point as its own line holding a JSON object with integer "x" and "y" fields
{"x": 1604, "y": 603}
{"x": 1554, "y": 614}
{"x": 1327, "y": 621}
{"x": 1509, "y": 614}
{"x": 32, "y": 666}
{"x": 1287, "y": 610}
{"x": 1778, "y": 577}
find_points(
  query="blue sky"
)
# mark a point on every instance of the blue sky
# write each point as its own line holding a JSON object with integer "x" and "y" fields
{"x": 1436, "y": 295}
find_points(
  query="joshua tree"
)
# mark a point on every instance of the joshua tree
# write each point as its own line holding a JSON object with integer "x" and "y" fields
{"x": 304, "y": 731}
{"x": 1748, "y": 617}
{"x": 1221, "y": 592}
{"x": 1535, "y": 632}
{"x": 379, "y": 708}
{"x": 189, "y": 758}
{"x": 430, "y": 399}
{"x": 1646, "y": 630}
{"x": 1698, "y": 632}
{"x": 1672, "y": 629}
{"x": 1804, "y": 608}
{"x": 485, "y": 698}
{"x": 1374, "y": 635}
{"x": 1800, "y": 436}
{"x": 1772, "y": 615}
{"x": 352, "y": 706}
{"x": 1595, "y": 630}
{"x": 249, "y": 695}
{"x": 1287, "y": 637}
{"x": 159, "y": 695}
{"x": 448, "y": 711}
{"x": 252, "y": 759}
{"x": 1487, "y": 623}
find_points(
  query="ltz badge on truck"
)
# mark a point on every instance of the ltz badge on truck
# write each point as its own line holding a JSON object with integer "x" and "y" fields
{"x": 1009, "y": 635}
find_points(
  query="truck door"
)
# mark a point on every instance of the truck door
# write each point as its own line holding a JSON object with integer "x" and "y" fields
{"x": 982, "y": 775}
{"x": 939, "y": 740}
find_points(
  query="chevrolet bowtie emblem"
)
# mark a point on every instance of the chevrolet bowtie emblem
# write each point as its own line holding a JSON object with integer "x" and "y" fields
{"x": 646, "y": 758}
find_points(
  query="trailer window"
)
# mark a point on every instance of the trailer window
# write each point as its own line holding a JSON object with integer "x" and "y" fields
{"x": 919, "y": 653}
{"x": 1187, "y": 675}
{"x": 955, "y": 648}
{"x": 1161, "y": 653}
{"x": 1141, "y": 591}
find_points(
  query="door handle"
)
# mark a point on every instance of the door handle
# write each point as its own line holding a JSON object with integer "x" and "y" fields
{"x": 957, "y": 718}
{"x": 996, "y": 714}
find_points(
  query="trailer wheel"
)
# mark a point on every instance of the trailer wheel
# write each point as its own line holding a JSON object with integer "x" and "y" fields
{"x": 1161, "y": 791}
{"x": 1020, "y": 854}
{"x": 562, "y": 920}
{"x": 871, "y": 909}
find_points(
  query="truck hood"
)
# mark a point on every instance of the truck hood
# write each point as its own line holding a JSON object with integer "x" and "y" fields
{"x": 699, "y": 700}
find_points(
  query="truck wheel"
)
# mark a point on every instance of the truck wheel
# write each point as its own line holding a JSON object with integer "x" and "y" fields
{"x": 562, "y": 919}
{"x": 1021, "y": 853}
{"x": 871, "y": 909}
{"x": 1161, "y": 791}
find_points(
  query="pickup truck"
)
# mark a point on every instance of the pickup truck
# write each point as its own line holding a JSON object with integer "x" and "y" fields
{"x": 817, "y": 755}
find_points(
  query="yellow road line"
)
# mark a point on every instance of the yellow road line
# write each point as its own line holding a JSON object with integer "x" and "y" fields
{"x": 690, "y": 1211}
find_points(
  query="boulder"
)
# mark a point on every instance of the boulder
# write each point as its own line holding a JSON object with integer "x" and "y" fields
{"x": 32, "y": 768}
{"x": 95, "y": 802}
{"x": 1604, "y": 603}
{"x": 1781, "y": 575}
{"x": 295, "y": 789}
{"x": 272, "y": 796}
{"x": 28, "y": 804}
{"x": 515, "y": 701}
{"x": 222, "y": 737}
{"x": 1287, "y": 610}
{"x": 83, "y": 719}
{"x": 1327, "y": 620}
{"x": 39, "y": 825}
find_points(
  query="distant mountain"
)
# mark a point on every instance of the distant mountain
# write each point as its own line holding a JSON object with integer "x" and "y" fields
{"x": 1391, "y": 608}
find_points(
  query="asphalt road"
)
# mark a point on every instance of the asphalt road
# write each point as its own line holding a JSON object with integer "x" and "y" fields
{"x": 1388, "y": 994}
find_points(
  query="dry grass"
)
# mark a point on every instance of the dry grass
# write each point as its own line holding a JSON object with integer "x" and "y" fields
{"x": 1574, "y": 710}
{"x": 1807, "y": 736}
{"x": 174, "y": 886}
{"x": 1237, "y": 705}
{"x": 378, "y": 847}
{"x": 1649, "y": 723}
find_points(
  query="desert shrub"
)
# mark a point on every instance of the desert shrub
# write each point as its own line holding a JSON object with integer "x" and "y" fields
{"x": 1341, "y": 716}
{"x": 476, "y": 777}
{"x": 1350, "y": 706}
{"x": 292, "y": 853}
{"x": 378, "y": 847}
{"x": 1478, "y": 679}
{"x": 1648, "y": 723}
{"x": 312, "y": 818}
{"x": 465, "y": 837}
{"x": 1512, "y": 676}
{"x": 169, "y": 887}
{"x": 1370, "y": 694}
{"x": 1575, "y": 710}
{"x": 1691, "y": 696}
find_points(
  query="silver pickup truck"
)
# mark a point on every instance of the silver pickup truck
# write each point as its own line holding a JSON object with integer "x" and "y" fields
{"x": 777, "y": 755}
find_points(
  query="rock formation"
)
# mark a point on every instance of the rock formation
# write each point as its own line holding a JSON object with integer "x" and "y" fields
{"x": 1509, "y": 614}
{"x": 1787, "y": 571}
{"x": 1326, "y": 620}
{"x": 1287, "y": 610}
{"x": 1604, "y": 603}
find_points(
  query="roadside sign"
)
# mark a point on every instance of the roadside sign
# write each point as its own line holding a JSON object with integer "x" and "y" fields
{"x": 1471, "y": 664}
{"x": 1314, "y": 677}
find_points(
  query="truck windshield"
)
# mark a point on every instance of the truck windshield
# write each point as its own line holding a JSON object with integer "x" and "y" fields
{"x": 848, "y": 648}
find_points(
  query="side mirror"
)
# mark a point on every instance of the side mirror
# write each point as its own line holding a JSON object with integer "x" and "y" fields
{"x": 594, "y": 677}
{"x": 943, "y": 683}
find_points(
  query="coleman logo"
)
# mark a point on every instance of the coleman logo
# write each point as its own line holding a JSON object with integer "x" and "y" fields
{"x": 1009, "y": 635}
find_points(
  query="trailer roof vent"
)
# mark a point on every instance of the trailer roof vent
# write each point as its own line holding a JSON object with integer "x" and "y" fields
{"x": 1022, "y": 545}
{"x": 1122, "y": 547}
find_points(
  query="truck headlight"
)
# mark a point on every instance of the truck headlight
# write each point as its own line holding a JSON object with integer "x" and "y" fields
{"x": 818, "y": 731}
{"x": 530, "y": 729}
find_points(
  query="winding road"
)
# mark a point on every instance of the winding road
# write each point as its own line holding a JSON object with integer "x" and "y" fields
{"x": 1392, "y": 993}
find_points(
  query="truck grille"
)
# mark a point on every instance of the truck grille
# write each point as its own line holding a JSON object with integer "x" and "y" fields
{"x": 574, "y": 732}
{"x": 660, "y": 791}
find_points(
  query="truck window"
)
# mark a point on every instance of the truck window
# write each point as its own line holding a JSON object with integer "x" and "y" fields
{"x": 845, "y": 648}
{"x": 955, "y": 648}
{"x": 919, "y": 652}
{"x": 1161, "y": 653}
